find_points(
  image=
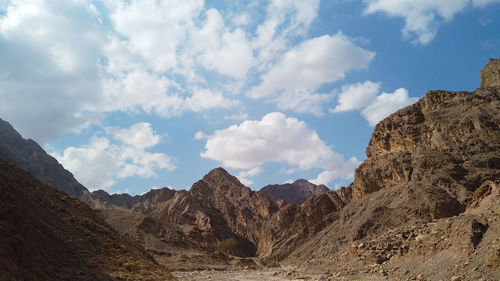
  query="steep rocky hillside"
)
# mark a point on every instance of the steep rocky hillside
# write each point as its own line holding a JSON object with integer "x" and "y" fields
{"x": 426, "y": 203}
{"x": 28, "y": 155}
{"x": 47, "y": 235}
{"x": 294, "y": 193}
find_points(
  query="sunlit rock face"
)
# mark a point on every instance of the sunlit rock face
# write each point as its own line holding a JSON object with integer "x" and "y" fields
{"x": 447, "y": 139}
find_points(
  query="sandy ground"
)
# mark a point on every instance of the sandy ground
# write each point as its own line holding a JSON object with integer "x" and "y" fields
{"x": 273, "y": 274}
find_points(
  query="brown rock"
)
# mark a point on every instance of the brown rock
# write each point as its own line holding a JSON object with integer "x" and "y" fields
{"x": 490, "y": 75}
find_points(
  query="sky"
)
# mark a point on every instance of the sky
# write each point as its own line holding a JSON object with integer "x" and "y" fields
{"x": 140, "y": 94}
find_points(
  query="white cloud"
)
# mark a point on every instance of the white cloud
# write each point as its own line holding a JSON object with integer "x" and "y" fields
{"x": 199, "y": 135}
{"x": 302, "y": 102}
{"x": 422, "y": 18}
{"x": 237, "y": 116}
{"x": 155, "y": 29}
{"x": 204, "y": 99}
{"x": 149, "y": 92}
{"x": 356, "y": 96}
{"x": 229, "y": 53}
{"x": 99, "y": 164}
{"x": 303, "y": 69}
{"x": 314, "y": 62}
{"x": 244, "y": 176}
{"x": 363, "y": 96}
{"x": 49, "y": 69}
{"x": 385, "y": 104}
{"x": 139, "y": 135}
{"x": 337, "y": 169}
{"x": 275, "y": 138}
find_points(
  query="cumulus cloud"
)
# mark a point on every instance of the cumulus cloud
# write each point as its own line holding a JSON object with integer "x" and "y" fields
{"x": 303, "y": 69}
{"x": 357, "y": 96}
{"x": 101, "y": 162}
{"x": 314, "y": 62}
{"x": 363, "y": 96}
{"x": 422, "y": 18}
{"x": 138, "y": 90}
{"x": 275, "y": 138}
{"x": 155, "y": 29}
{"x": 385, "y": 104}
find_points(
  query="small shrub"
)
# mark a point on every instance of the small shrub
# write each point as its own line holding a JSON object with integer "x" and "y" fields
{"x": 227, "y": 245}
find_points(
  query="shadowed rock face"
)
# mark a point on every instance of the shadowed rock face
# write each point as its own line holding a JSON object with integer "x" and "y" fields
{"x": 47, "y": 235}
{"x": 294, "y": 193}
{"x": 28, "y": 155}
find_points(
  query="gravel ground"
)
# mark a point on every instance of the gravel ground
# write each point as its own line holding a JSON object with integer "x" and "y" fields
{"x": 273, "y": 274}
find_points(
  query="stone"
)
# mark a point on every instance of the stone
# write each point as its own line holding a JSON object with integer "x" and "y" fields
{"x": 490, "y": 75}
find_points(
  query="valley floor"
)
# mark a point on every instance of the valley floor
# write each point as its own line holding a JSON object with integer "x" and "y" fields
{"x": 273, "y": 274}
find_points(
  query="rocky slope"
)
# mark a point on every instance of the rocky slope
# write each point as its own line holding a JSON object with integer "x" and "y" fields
{"x": 220, "y": 204}
{"x": 294, "y": 193}
{"x": 28, "y": 155}
{"x": 47, "y": 235}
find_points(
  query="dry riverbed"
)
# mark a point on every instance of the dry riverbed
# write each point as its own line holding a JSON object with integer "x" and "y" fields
{"x": 272, "y": 274}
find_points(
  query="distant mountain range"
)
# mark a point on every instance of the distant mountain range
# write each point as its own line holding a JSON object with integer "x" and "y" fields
{"x": 294, "y": 193}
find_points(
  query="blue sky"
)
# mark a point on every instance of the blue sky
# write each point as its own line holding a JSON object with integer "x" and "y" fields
{"x": 130, "y": 95}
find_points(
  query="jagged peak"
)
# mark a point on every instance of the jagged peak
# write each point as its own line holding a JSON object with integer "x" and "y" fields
{"x": 220, "y": 173}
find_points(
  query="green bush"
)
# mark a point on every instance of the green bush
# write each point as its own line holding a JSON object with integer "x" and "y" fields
{"x": 227, "y": 245}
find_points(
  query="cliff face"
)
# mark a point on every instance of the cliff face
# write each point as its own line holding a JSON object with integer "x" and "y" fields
{"x": 294, "y": 193}
{"x": 427, "y": 193}
{"x": 447, "y": 139}
{"x": 47, "y": 235}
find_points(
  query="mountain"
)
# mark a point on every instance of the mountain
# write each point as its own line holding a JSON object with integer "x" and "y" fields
{"x": 220, "y": 204}
{"x": 294, "y": 193}
{"x": 28, "y": 155}
{"x": 47, "y": 235}
{"x": 427, "y": 197}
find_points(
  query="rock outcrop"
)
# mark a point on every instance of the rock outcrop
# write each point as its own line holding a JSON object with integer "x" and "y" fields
{"x": 490, "y": 75}
{"x": 447, "y": 139}
{"x": 294, "y": 193}
{"x": 426, "y": 199}
{"x": 47, "y": 235}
